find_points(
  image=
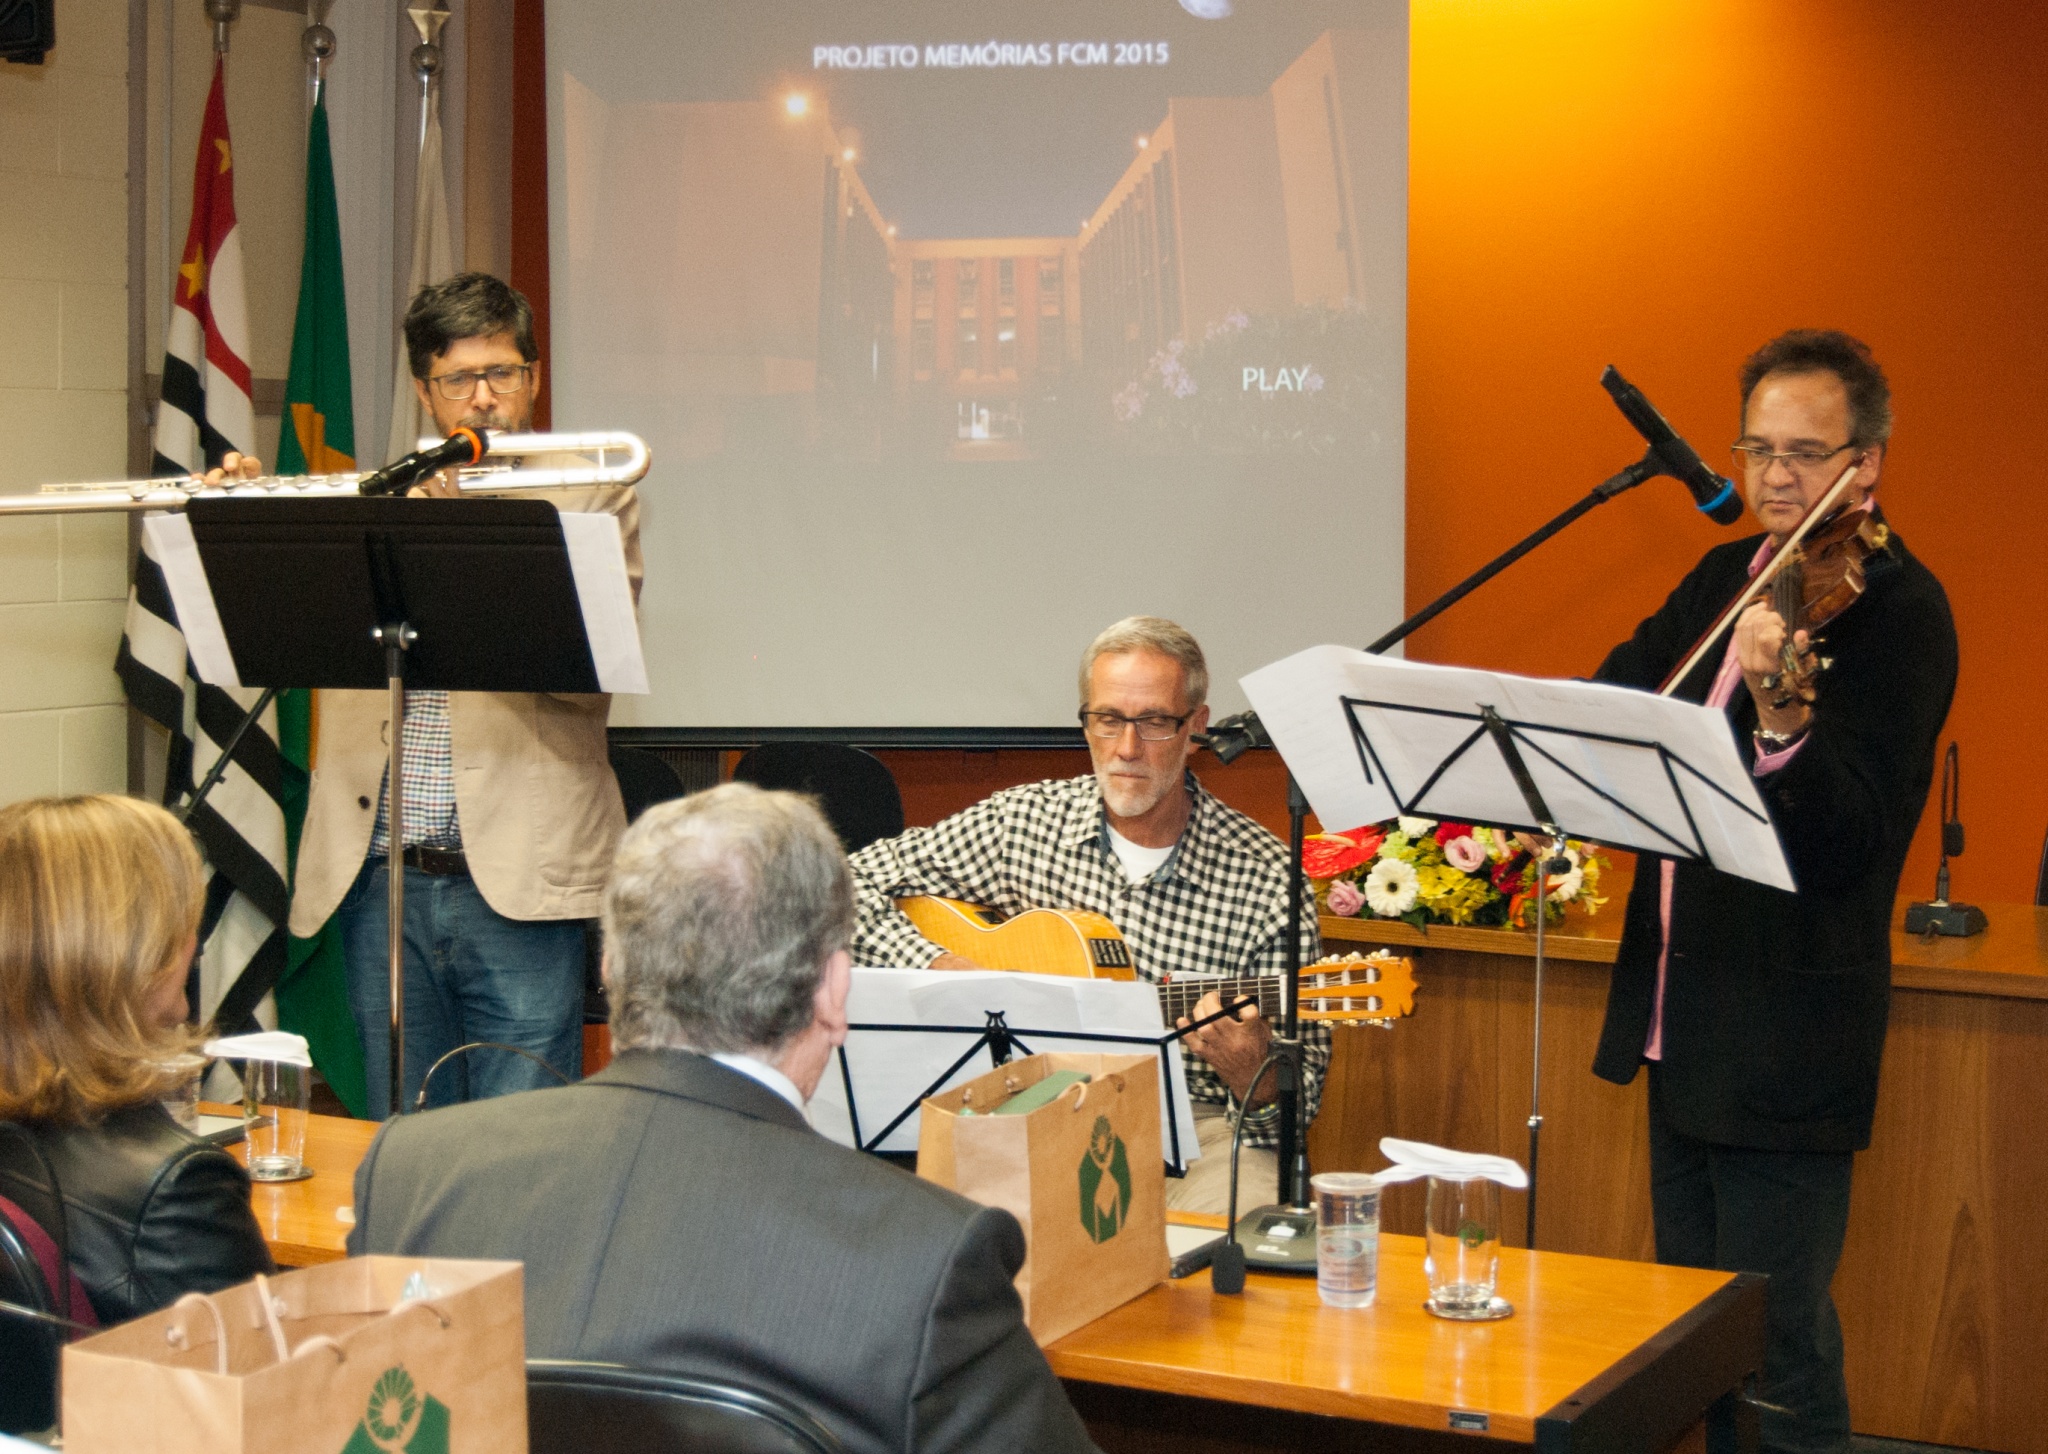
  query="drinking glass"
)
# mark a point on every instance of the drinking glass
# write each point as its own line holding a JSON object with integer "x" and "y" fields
{"x": 182, "y": 1100}
{"x": 278, "y": 1094}
{"x": 1463, "y": 1256}
{"x": 1347, "y": 1237}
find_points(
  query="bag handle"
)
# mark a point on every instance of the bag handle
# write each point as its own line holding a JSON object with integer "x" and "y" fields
{"x": 270, "y": 1305}
{"x": 425, "y": 1306}
{"x": 1081, "y": 1087}
{"x": 178, "y": 1338}
{"x": 321, "y": 1342}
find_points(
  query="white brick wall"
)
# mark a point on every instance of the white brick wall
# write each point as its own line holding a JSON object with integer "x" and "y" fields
{"x": 63, "y": 352}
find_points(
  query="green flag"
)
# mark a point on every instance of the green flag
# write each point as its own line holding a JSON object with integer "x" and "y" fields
{"x": 318, "y": 437}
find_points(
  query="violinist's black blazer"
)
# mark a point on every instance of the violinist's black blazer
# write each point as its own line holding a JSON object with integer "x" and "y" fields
{"x": 1775, "y": 1003}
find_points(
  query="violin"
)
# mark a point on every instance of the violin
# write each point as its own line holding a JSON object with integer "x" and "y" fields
{"x": 1816, "y": 576}
{"x": 1822, "y": 577}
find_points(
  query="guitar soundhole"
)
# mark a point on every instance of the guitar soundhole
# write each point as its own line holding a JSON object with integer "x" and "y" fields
{"x": 1110, "y": 953}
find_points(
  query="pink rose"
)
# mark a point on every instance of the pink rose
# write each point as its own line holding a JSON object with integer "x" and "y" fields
{"x": 1464, "y": 854}
{"x": 1345, "y": 898}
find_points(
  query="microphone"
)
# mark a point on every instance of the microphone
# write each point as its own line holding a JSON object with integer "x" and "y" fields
{"x": 1714, "y": 494}
{"x": 1939, "y": 916}
{"x": 464, "y": 446}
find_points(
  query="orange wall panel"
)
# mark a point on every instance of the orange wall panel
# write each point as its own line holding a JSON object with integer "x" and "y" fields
{"x": 1665, "y": 186}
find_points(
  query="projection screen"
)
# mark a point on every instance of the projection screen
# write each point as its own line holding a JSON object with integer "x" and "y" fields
{"x": 959, "y": 331}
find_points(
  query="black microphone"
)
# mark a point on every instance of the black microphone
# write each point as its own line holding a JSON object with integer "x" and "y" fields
{"x": 1939, "y": 915}
{"x": 1714, "y": 494}
{"x": 464, "y": 446}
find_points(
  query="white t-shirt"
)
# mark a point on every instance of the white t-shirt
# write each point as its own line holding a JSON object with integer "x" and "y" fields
{"x": 1139, "y": 861}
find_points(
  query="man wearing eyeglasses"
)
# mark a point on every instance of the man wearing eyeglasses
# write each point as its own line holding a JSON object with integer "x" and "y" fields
{"x": 1196, "y": 888}
{"x": 1761, "y": 1014}
{"x": 511, "y": 809}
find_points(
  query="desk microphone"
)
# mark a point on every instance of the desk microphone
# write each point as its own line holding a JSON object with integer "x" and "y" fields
{"x": 1940, "y": 916}
{"x": 464, "y": 446}
{"x": 1714, "y": 494}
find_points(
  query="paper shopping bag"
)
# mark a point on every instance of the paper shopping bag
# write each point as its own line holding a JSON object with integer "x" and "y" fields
{"x": 375, "y": 1355}
{"x": 1082, "y": 1173}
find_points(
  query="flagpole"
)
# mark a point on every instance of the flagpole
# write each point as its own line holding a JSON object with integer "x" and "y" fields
{"x": 430, "y": 245}
{"x": 426, "y": 58}
{"x": 222, "y": 13}
{"x": 317, "y": 45}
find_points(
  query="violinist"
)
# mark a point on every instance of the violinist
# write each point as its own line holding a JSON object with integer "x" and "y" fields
{"x": 1761, "y": 1014}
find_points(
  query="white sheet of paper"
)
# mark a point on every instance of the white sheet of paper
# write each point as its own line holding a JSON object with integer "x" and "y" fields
{"x": 597, "y": 559}
{"x": 170, "y": 538}
{"x": 1584, "y": 744}
{"x": 890, "y": 1069}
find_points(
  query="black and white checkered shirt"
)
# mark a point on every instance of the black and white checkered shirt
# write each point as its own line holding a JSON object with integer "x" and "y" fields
{"x": 1217, "y": 907}
{"x": 428, "y": 773}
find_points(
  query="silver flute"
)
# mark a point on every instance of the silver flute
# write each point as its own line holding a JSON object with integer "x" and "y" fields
{"x": 608, "y": 457}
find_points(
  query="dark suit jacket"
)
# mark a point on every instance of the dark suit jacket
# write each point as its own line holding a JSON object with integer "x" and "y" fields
{"x": 1775, "y": 1003}
{"x": 675, "y": 1214}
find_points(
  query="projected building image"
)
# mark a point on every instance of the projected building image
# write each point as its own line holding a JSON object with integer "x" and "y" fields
{"x": 1214, "y": 299}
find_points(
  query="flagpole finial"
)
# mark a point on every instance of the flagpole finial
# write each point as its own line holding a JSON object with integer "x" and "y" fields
{"x": 222, "y": 13}
{"x": 426, "y": 56}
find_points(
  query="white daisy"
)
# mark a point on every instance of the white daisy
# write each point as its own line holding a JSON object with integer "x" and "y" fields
{"x": 1391, "y": 887}
{"x": 1565, "y": 887}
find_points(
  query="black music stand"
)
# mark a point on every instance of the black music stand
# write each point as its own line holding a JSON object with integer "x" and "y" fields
{"x": 451, "y": 595}
{"x": 1371, "y": 738}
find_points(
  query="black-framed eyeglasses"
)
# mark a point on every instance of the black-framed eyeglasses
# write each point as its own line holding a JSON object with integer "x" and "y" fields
{"x": 503, "y": 379}
{"x": 1756, "y": 459}
{"x": 1152, "y": 727}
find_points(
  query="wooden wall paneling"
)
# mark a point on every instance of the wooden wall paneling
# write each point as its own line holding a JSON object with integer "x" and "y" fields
{"x": 1942, "y": 1284}
{"x": 1434, "y": 1077}
{"x": 1595, "y": 1157}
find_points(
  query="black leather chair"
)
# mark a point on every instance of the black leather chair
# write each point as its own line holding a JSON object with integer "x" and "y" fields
{"x": 644, "y": 779}
{"x": 599, "y": 1408}
{"x": 856, "y": 788}
{"x": 28, "y": 1350}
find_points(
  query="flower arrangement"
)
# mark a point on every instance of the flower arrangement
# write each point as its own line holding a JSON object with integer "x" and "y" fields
{"x": 1425, "y": 872}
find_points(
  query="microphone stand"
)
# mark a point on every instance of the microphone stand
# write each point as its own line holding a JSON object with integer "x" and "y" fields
{"x": 1231, "y": 738}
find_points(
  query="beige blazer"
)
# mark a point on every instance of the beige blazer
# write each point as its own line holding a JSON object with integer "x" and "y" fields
{"x": 534, "y": 791}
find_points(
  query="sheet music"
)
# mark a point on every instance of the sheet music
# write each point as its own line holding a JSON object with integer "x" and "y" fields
{"x": 890, "y": 1069}
{"x": 1371, "y": 737}
{"x": 597, "y": 559}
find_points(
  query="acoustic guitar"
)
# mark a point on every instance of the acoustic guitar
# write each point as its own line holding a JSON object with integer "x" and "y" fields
{"x": 1357, "y": 989}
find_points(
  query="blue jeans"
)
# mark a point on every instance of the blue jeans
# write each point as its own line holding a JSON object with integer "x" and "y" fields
{"x": 470, "y": 974}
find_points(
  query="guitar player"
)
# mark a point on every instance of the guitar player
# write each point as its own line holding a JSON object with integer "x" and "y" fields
{"x": 1195, "y": 888}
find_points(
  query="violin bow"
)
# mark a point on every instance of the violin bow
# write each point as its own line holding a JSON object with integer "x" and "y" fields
{"x": 1821, "y": 511}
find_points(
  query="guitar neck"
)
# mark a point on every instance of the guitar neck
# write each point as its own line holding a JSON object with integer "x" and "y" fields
{"x": 1177, "y": 997}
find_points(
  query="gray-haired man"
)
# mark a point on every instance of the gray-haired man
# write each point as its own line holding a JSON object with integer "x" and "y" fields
{"x": 675, "y": 1212}
{"x": 1197, "y": 888}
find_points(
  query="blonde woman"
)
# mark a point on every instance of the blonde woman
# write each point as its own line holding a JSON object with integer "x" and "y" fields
{"x": 99, "y": 917}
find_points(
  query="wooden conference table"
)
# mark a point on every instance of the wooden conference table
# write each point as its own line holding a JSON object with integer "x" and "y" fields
{"x": 1600, "y": 1353}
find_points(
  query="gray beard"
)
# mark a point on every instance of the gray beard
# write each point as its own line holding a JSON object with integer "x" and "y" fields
{"x": 1117, "y": 791}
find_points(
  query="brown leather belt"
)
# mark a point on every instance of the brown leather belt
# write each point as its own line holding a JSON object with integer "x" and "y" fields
{"x": 443, "y": 862}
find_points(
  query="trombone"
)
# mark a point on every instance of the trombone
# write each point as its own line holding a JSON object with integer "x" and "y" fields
{"x": 604, "y": 457}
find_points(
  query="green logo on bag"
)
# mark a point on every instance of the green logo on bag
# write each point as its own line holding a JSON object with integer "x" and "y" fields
{"x": 1105, "y": 1183}
{"x": 400, "y": 1419}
